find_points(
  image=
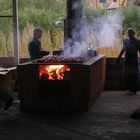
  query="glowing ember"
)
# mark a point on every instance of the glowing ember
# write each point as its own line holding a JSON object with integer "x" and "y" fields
{"x": 54, "y": 72}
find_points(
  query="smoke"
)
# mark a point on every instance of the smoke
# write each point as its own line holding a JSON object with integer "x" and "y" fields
{"x": 77, "y": 45}
{"x": 103, "y": 32}
{"x": 106, "y": 30}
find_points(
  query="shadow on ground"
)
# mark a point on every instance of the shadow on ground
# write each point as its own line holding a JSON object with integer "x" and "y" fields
{"x": 108, "y": 119}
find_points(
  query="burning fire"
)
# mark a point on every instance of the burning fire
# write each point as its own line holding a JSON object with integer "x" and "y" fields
{"x": 54, "y": 72}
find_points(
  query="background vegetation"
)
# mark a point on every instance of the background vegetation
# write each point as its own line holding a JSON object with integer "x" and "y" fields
{"x": 49, "y": 15}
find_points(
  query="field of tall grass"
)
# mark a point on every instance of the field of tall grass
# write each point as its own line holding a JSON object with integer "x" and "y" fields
{"x": 51, "y": 39}
{"x": 45, "y": 14}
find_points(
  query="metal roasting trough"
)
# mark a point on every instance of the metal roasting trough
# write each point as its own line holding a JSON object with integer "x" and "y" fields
{"x": 83, "y": 84}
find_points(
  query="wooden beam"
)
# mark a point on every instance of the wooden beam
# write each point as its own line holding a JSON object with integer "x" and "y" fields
{"x": 15, "y": 32}
{"x": 6, "y": 16}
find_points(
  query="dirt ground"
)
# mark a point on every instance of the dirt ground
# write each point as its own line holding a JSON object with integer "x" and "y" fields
{"x": 108, "y": 119}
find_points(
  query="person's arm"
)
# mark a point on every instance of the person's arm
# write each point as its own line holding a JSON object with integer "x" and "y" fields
{"x": 120, "y": 55}
{"x": 139, "y": 46}
{"x": 43, "y": 53}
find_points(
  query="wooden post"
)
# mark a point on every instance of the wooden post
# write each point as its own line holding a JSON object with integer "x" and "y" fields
{"x": 15, "y": 32}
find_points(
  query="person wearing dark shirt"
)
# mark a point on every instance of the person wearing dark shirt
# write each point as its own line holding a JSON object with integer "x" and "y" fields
{"x": 34, "y": 47}
{"x": 131, "y": 47}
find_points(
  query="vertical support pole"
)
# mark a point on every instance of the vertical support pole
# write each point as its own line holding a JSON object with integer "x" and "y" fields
{"x": 15, "y": 32}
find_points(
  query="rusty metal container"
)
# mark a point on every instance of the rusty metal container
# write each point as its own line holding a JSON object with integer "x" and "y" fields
{"x": 75, "y": 94}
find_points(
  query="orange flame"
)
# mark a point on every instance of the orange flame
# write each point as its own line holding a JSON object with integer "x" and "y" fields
{"x": 53, "y": 72}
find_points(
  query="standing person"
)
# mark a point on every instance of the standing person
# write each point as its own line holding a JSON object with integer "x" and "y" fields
{"x": 131, "y": 47}
{"x": 34, "y": 47}
{"x": 6, "y": 98}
